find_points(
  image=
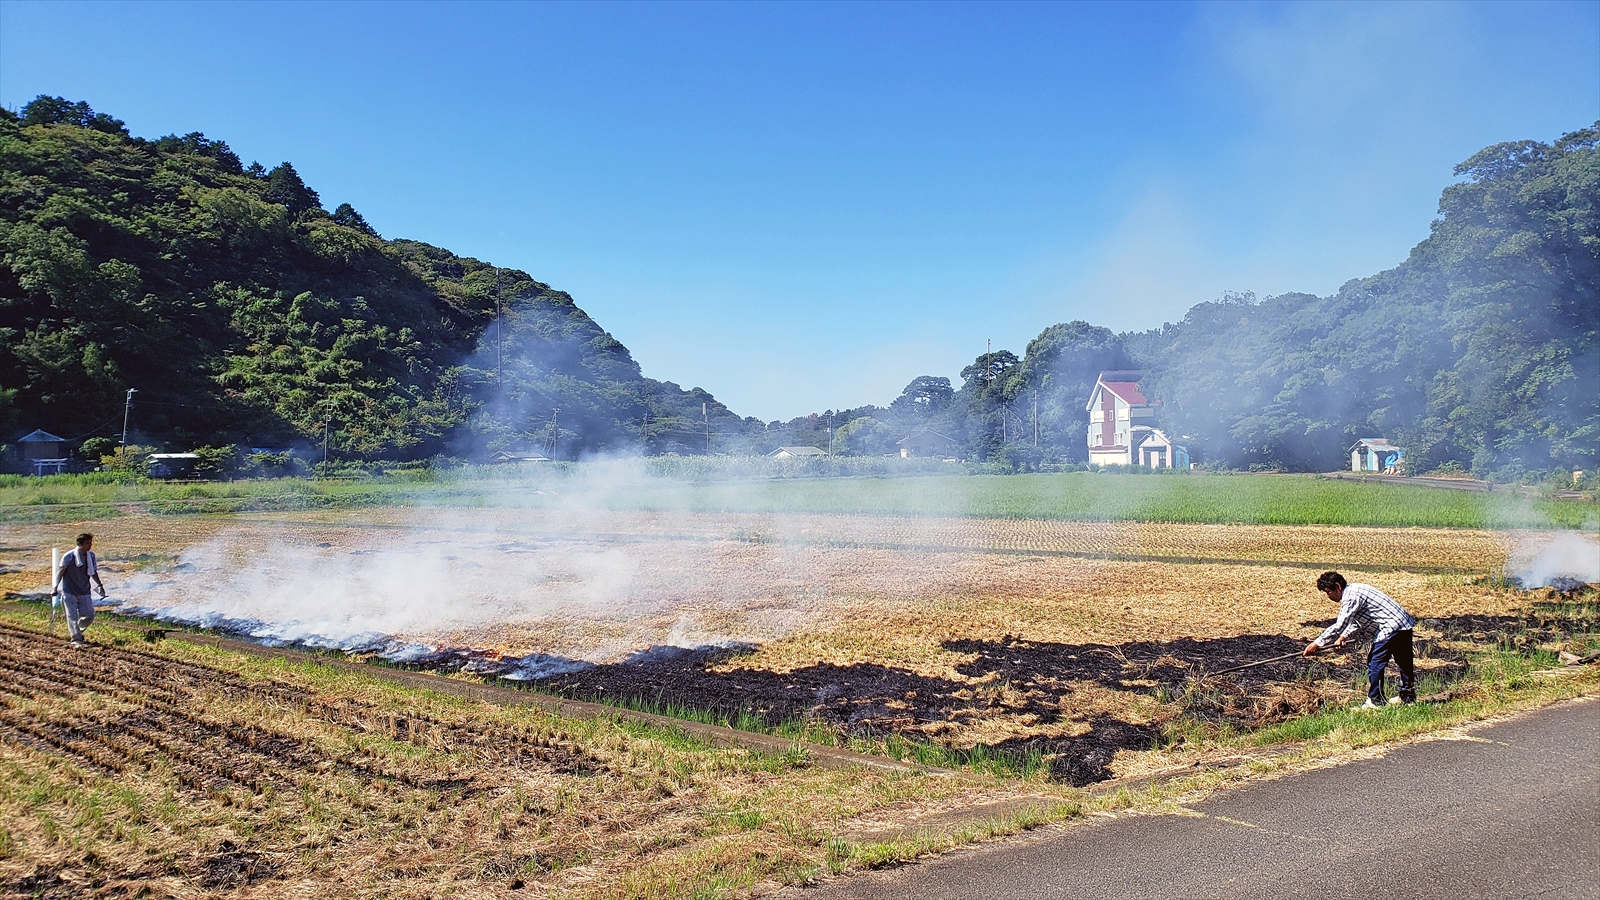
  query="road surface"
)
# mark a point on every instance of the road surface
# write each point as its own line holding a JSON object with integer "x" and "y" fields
{"x": 1513, "y": 811}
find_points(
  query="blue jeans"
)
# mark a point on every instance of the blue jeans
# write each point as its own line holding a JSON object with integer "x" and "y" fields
{"x": 1396, "y": 646}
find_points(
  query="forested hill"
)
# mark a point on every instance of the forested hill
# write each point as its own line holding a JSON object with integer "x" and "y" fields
{"x": 1481, "y": 350}
{"x": 243, "y": 311}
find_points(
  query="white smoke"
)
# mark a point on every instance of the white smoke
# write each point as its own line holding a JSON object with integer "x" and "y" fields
{"x": 520, "y": 578}
{"x": 1564, "y": 557}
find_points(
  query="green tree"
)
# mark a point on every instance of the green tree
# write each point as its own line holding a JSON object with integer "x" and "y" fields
{"x": 284, "y": 186}
{"x": 1062, "y": 364}
{"x": 925, "y": 397}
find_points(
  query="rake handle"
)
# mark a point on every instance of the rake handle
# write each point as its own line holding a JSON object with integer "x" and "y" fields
{"x": 1259, "y": 662}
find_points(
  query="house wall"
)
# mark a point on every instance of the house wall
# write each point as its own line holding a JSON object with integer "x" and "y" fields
{"x": 1108, "y": 419}
{"x": 1110, "y": 425}
{"x": 1108, "y": 457}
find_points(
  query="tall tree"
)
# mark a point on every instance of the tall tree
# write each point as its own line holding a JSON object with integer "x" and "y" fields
{"x": 285, "y": 186}
{"x": 1062, "y": 365}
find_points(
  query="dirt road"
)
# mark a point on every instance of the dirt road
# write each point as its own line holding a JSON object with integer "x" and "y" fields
{"x": 1513, "y": 810}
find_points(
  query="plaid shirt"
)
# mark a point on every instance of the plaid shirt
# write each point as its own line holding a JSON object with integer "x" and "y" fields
{"x": 1364, "y": 607}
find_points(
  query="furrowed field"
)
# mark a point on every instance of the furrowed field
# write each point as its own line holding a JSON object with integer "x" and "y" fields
{"x": 1037, "y": 635}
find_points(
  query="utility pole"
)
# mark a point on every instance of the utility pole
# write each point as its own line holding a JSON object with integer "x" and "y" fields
{"x": 327, "y": 428}
{"x": 1035, "y": 418}
{"x": 705, "y": 413}
{"x": 499, "y": 346}
{"x": 644, "y": 431}
{"x": 553, "y": 431}
{"x": 126, "y": 405}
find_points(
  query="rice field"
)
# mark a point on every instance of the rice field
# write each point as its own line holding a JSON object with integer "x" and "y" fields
{"x": 1182, "y": 498}
{"x": 1038, "y": 654}
{"x": 961, "y": 632}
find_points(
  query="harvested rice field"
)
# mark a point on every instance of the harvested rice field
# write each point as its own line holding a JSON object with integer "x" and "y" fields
{"x": 1052, "y": 654}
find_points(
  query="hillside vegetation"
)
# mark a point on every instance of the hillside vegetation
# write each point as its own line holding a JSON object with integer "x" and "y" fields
{"x": 244, "y": 312}
{"x": 1482, "y": 349}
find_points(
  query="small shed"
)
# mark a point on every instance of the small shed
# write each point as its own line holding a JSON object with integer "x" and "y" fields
{"x": 44, "y": 452}
{"x": 42, "y": 445}
{"x": 1375, "y": 455}
{"x": 1157, "y": 451}
{"x": 502, "y": 457}
{"x": 796, "y": 453}
{"x": 928, "y": 442}
{"x": 173, "y": 465}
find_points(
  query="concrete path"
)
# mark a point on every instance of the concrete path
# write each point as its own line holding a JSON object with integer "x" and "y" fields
{"x": 1513, "y": 811}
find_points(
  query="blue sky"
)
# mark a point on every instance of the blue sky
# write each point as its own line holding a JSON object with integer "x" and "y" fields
{"x": 805, "y": 206}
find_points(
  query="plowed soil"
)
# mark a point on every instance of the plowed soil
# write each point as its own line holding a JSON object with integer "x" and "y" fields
{"x": 199, "y": 781}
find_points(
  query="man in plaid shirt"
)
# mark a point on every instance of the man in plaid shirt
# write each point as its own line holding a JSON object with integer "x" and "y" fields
{"x": 1364, "y": 608}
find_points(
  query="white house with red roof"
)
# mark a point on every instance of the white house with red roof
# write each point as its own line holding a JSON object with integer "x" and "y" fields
{"x": 1122, "y": 428}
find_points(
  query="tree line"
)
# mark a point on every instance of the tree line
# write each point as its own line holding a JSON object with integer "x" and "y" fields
{"x": 245, "y": 313}
{"x": 1479, "y": 352}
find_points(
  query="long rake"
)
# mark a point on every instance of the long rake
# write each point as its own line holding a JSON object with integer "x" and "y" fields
{"x": 1252, "y": 665}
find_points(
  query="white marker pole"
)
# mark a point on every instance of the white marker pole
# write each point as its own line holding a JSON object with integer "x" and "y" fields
{"x": 55, "y": 595}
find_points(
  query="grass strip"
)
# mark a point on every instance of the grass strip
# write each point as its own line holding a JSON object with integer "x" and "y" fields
{"x": 1077, "y": 496}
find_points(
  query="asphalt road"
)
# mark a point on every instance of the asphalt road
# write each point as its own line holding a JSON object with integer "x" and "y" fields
{"x": 1512, "y": 812}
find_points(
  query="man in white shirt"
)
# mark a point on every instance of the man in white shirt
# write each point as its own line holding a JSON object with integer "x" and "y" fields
{"x": 1364, "y": 608}
{"x": 72, "y": 578}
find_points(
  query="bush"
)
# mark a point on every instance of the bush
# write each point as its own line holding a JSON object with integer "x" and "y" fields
{"x": 216, "y": 462}
{"x": 130, "y": 461}
{"x": 96, "y": 447}
{"x": 272, "y": 465}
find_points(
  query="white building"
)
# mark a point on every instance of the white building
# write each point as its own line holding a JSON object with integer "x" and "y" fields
{"x": 1121, "y": 426}
{"x": 1375, "y": 455}
{"x": 796, "y": 453}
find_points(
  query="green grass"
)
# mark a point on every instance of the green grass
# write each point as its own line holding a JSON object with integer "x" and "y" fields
{"x": 1086, "y": 496}
{"x": 1220, "y": 499}
{"x": 1500, "y": 678}
{"x": 980, "y": 759}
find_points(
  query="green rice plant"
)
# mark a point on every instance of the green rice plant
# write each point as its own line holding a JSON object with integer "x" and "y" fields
{"x": 675, "y": 484}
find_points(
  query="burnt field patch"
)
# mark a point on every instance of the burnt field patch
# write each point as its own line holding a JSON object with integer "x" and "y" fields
{"x": 1073, "y": 707}
{"x": 1076, "y": 706}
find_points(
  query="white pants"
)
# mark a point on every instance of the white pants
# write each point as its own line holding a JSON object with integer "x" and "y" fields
{"x": 79, "y": 609}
